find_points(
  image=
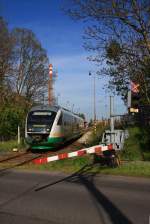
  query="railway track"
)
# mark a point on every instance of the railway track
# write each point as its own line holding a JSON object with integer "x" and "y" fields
{"x": 6, "y": 157}
{"x": 16, "y": 159}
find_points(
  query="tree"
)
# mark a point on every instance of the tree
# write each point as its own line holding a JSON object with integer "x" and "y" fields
{"x": 30, "y": 68}
{"x": 23, "y": 77}
{"x": 118, "y": 33}
{"x": 5, "y": 60}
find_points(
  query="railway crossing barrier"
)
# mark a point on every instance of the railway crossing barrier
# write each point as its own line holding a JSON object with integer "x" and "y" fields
{"x": 98, "y": 150}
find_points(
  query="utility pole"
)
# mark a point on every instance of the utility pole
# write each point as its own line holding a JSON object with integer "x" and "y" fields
{"x": 129, "y": 99}
{"x": 111, "y": 117}
{"x": 19, "y": 135}
{"x": 50, "y": 86}
{"x": 94, "y": 97}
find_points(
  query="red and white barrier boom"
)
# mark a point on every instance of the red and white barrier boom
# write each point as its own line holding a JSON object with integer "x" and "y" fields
{"x": 98, "y": 149}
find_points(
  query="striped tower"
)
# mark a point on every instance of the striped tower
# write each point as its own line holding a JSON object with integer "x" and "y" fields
{"x": 50, "y": 85}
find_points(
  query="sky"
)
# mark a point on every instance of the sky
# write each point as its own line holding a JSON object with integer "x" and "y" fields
{"x": 62, "y": 39}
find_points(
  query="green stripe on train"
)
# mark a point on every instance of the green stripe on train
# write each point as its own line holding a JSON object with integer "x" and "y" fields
{"x": 50, "y": 144}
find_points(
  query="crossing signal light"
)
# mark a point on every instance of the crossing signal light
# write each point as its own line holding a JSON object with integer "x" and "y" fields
{"x": 134, "y": 98}
{"x": 135, "y": 87}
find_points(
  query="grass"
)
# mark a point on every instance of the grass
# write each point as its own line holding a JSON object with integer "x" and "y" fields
{"x": 7, "y": 146}
{"x": 134, "y": 168}
{"x": 66, "y": 165}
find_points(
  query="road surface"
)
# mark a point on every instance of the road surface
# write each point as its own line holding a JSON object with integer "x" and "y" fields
{"x": 82, "y": 198}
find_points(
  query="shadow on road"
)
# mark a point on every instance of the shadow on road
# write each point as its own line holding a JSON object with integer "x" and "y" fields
{"x": 86, "y": 178}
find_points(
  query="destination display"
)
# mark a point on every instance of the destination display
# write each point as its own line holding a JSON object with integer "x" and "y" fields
{"x": 42, "y": 113}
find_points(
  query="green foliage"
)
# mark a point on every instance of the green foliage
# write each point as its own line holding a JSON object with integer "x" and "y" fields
{"x": 10, "y": 118}
{"x": 113, "y": 50}
{"x": 136, "y": 146}
{"x": 144, "y": 141}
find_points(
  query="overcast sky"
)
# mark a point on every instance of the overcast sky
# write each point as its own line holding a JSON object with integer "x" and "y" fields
{"x": 62, "y": 38}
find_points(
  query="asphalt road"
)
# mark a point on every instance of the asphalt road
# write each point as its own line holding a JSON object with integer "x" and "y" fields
{"x": 81, "y": 198}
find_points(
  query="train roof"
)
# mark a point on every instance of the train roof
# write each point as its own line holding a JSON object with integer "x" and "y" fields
{"x": 45, "y": 107}
{"x": 52, "y": 108}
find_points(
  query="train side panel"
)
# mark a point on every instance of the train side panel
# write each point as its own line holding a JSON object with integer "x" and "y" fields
{"x": 57, "y": 135}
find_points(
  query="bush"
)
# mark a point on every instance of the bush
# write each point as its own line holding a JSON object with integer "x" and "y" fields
{"x": 10, "y": 118}
{"x": 136, "y": 146}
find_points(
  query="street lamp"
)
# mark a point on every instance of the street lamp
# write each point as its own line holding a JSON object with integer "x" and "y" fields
{"x": 72, "y": 107}
{"x": 94, "y": 96}
{"x": 101, "y": 109}
{"x": 78, "y": 110}
{"x": 57, "y": 98}
{"x": 67, "y": 104}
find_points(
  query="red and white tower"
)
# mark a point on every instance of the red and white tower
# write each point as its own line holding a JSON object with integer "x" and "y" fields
{"x": 50, "y": 85}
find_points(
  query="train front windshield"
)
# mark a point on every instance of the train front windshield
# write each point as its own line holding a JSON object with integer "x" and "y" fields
{"x": 41, "y": 118}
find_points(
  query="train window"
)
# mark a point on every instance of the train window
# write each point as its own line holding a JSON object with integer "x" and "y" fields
{"x": 41, "y": 117}
{"x": 60, "y": 120}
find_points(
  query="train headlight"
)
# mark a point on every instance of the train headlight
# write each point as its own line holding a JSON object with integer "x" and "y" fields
{"x": 47, "y": 129}
{"x": 30, "y": 129}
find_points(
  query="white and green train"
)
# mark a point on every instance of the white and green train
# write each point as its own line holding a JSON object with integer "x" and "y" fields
{"x": 48, "y": 127}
